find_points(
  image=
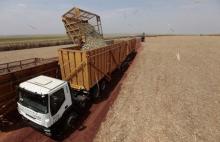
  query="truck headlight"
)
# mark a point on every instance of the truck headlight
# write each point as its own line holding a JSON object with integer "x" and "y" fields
{"x": 47, "y": 122}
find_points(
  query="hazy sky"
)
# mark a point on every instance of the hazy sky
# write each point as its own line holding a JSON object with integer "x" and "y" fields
{"x": 118, "y": 16}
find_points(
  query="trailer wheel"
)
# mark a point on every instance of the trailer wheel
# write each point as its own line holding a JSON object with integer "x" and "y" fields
{"x": 95, "y": 92}
{"x": 103, "y": 85}
{"x": 123, "y": 67}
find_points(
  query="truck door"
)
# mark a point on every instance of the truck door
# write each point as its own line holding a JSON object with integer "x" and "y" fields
{"x": 57, "y": 104}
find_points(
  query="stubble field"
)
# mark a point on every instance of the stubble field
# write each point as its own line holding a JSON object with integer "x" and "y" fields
{"x": 171, "y": 93}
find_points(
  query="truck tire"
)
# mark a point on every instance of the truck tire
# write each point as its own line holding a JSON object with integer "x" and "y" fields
{"x": 83, "y": 102}
{"x": 53, "y": 134}
{"x": 95, "y": 92}
{"x": 71, "y": 120}
{"x": 103, "y": 85}
{"x": 123, "y": 67}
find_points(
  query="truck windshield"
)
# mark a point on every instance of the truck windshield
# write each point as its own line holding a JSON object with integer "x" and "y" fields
{"x": 33, "y": 101}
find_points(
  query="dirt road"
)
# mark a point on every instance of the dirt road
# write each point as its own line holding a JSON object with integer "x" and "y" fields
{"x": 87, "y": 126}
{"x": 171, "y": 94}
{"x": 44, "y": 52}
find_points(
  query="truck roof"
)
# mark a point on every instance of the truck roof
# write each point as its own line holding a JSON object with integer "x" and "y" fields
{"x": 42, "y": 84}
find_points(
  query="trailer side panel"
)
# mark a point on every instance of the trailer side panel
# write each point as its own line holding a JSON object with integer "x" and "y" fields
{"x": 85, "y": 68}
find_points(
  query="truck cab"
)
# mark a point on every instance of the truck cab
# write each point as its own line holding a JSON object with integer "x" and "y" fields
{"x": 44, "y": 100}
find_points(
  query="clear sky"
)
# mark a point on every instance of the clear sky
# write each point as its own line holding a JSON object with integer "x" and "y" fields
{"x": 19, "y": 17}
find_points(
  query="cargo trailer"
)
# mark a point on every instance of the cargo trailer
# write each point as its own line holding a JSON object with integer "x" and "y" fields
{"x": 84, "y": 68}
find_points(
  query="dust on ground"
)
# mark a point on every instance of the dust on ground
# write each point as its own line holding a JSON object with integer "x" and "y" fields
{"x": 171, "y": 93}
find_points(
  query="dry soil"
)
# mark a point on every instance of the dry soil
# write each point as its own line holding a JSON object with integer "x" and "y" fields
{"x": 44, "y": 52}
{"x": 171, "y": 94}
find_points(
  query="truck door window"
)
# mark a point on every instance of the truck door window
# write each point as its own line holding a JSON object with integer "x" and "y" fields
{"x": 56, "y": 101}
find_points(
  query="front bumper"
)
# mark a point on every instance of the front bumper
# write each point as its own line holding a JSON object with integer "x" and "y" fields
{"x": 48, "y": 131}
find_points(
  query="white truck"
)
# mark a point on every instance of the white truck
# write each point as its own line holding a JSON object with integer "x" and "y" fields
{"x": 50, "y": 103}
{"x": 46, "y": 102}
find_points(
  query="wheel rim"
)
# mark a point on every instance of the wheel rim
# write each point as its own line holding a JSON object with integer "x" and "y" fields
{"x": 103, "y": 86}
{"x": 71, "y": 122}
{"x": 96, "y": 92}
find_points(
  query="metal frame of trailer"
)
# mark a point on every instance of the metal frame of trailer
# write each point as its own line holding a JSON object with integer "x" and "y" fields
{"x": 73, "y": 17}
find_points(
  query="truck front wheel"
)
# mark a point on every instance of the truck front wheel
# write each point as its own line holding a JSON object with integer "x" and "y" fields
{"x": 71, "y": 120}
